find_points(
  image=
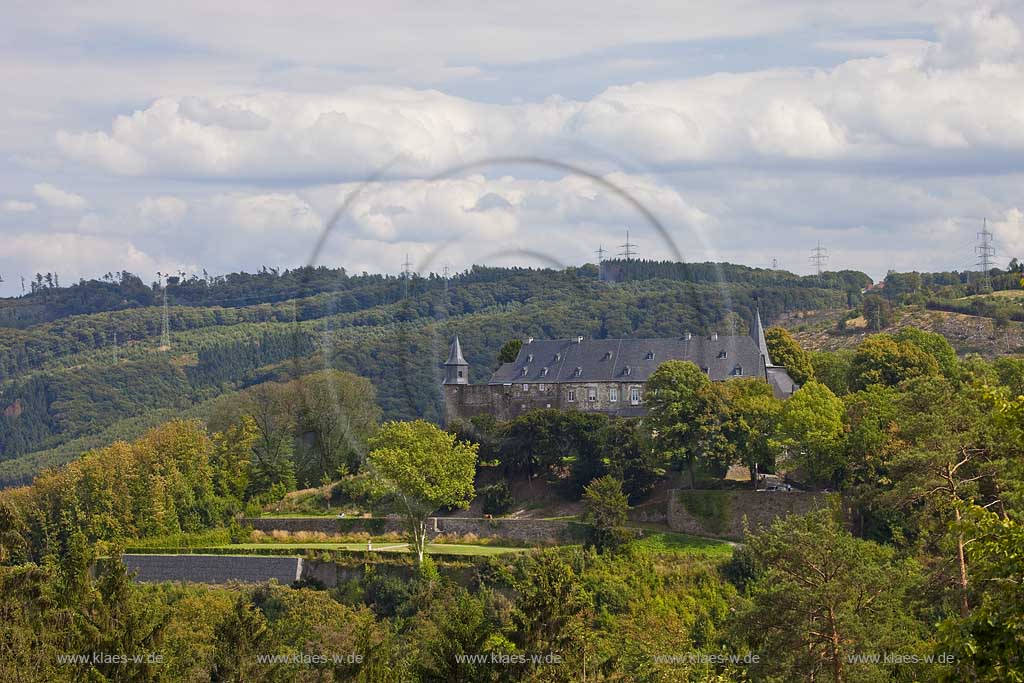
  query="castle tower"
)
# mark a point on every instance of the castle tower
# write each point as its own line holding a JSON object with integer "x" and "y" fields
{"x": 456, "y": 369}
{"x": 758, "y": 334}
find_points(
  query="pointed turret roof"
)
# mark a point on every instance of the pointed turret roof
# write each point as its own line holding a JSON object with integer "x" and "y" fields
{"x": 455, "y": 354}
{"x": 758, "y": 335}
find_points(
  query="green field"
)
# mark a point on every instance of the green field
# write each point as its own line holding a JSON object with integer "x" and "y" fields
{"x": 681, "y": 544}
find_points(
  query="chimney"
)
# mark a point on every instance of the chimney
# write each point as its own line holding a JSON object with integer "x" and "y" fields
{"x": 579, "y": 340}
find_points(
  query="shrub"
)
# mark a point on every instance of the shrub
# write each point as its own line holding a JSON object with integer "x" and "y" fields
{"x": 497, "y": 499}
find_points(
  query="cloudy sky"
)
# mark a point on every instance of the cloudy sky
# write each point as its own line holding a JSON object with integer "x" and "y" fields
{"x": 226, "y": 136}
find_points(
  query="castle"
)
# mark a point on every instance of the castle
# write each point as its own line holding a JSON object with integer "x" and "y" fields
{"x": 601, "y": 375}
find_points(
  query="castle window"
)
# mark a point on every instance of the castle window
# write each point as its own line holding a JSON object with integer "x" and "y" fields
{"x": 572, "y": 396}
{"x": 650, "y": 355}
{"x": 541, "y": 387}
{"x": 526, "y": 387}
{"x": 460, "y": 373}
{"x": 634, "y": 395}
{"x": 723, "y": 354}
{"x": 591, "y": 394}
{"x": 613, "y": 394}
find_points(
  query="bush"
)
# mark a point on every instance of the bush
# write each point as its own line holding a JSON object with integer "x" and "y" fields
{"x": 497, "y": 499}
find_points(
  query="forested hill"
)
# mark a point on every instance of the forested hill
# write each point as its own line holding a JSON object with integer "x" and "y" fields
{"x": 46, "y": 300}
{"x": 66, "y": 385}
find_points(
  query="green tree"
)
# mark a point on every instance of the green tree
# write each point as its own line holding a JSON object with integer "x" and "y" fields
{"x": 940, "y": 461}
{"x": 509, "y": 351}
{"x": 232, "y": 458}
{"x": 811, "y": 429}
{"x": 833, "y": 369}
{"x": 240, "y": 638}
{"x": 338, "y": 414}
{"x": 934, "y": 345}
{"x": 820, "y": 596}
{"x": 751, "y": 421}
{"x": 681, "y": 412}
{"x": 785, "y": 351}
{"x": 629, "y": 456}
{"x": 877, "y": 312}
{"x": 426, "y": 468}
{"x": 881, "y": 359}
{"x": 988, "y": 642}
{"x": 606, "y": 508}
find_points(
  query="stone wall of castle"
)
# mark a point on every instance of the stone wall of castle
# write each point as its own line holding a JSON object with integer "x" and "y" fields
{"x": 507, "y": 401}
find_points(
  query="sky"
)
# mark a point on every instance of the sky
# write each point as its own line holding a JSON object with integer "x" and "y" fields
{"x": 224, "y": 137}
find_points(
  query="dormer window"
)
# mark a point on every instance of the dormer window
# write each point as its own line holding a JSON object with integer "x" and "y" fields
{"x": 626, "y": 370}
{"x": 737, "y": 371}
{"x": 723, "y": 354}
{"x": 649, "y": 356}
{"x": 526, "y": 369}
{"x": 706, "y": 371}
{"x": 578, "y": 371}
{"x": 543, "y": 372}
{"x": 607, "y": 355}
{"x": 529, "y": 358}
{"x": 558, "y": 357}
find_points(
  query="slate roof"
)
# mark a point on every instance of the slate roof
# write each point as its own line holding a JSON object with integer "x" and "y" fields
{"x": 606, "y": 360}
{"x": 455, "y": 354}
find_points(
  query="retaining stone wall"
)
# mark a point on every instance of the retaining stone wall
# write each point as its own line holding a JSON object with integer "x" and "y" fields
{"x": 721, "y": 514}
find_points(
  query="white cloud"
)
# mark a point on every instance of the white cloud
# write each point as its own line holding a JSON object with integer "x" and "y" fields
{"x": 18, "y": 206}
{"x": 905, "y": 107}
{"x": 58, "y": 198}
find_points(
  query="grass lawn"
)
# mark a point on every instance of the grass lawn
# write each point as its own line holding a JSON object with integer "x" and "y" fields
{"x": 384, "y": 546}
{"x": 290, "y": 515}
{"x": 669, "y": 542}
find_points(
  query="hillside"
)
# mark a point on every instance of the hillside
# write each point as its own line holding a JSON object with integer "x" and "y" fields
{"x": 86, "y": 379}
{"x": 818, "y": 330}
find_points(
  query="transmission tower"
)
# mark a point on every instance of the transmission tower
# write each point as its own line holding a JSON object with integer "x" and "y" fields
{"x": 819, "y": 257}
{"x": 165, "y": 328}
{"x": 601, "y": 251}
{"x": 775, "y": 264}
{"x": 628, "y": 249}
{"x": 986, "y": 252}
{"x": 407, "y": 273}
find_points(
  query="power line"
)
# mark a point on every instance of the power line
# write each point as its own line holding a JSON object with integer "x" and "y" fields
{"x": 818, "y": 257}
{"x": 986, "y": 252}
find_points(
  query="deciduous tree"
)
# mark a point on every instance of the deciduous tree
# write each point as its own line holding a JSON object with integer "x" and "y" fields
{"x": 426, "y": 468}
